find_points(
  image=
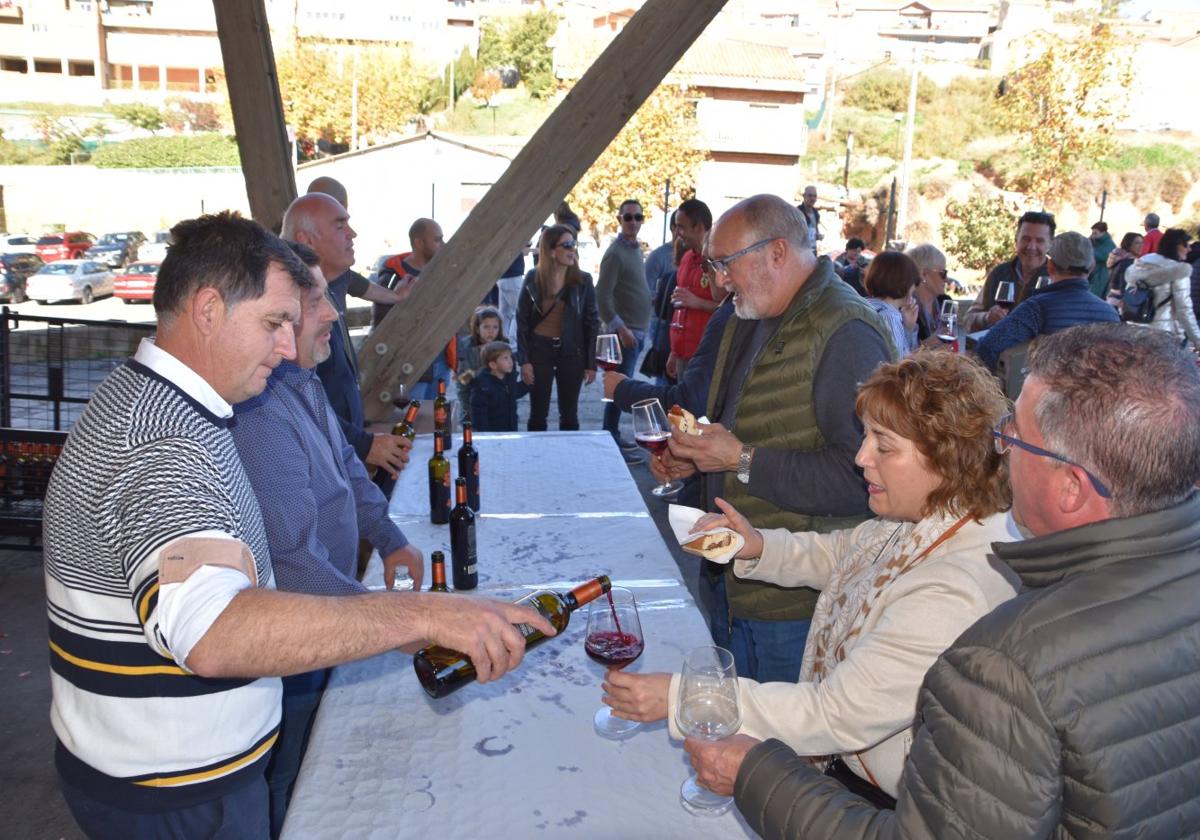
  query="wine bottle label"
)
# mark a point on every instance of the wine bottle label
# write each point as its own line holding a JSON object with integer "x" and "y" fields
{"x": 471, "y": 569}
{"x": 439, "y": 416}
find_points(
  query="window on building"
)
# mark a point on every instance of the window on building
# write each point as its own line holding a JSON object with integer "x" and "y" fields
{"x": 47, "y": 65}
{"x": 82, "y": 68}
{"x": 10, "y": 64}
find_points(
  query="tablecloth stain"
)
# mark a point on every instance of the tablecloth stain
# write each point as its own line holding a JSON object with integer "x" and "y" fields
{"x": 556, "y": 700}
{"x": 482, "y": 748}
{"x": 562, "y": 768}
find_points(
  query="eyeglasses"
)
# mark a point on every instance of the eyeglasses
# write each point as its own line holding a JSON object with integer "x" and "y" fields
{"x": 720, "y": 265}
{"x": 634, "y": 217}
{"x": 1005, "y": 441}
{"x": 567, "y": 245}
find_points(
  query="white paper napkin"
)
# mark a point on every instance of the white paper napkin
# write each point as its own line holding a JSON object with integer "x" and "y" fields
{"x": 682, "y": 518}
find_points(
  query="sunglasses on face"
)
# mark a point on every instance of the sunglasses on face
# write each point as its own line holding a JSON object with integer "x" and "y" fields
{"x": 634, "y": 217}
{"x": 567, "y": 245}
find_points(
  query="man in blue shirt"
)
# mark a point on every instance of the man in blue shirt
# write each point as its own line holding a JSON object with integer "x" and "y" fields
{"x": 316, "y": 499}
{"x": 1066, "y": 302}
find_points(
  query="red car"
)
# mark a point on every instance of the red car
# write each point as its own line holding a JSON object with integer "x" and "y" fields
{"x": 136, "y": 282}
{"x": 64, "y": 246}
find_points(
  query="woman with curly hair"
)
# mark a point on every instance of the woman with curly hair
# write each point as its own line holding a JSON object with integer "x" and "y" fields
{"x": 896, "y": 590}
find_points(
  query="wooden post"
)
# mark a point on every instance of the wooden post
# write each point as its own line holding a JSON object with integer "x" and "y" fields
{"x": 257, "y": 110}
{"x": 551, "y": 163}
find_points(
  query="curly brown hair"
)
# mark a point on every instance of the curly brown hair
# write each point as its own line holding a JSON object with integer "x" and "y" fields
{"x": 947, "y": 405}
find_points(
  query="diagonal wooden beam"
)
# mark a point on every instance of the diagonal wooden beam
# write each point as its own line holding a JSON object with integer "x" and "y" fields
{"x": 257, "y": 110}
{"x": 551, "y": 163}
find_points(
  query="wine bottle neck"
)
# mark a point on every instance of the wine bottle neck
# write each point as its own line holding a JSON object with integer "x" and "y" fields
{"x": 587, "y": 592}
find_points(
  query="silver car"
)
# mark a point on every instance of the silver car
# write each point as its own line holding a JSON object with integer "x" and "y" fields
{"x": 81, "y": 280}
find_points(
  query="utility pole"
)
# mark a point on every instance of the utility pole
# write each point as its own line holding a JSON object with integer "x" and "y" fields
{"x": 354, "y": 103}
{"x": 902, "y": 214}
{"x": 667, "y": 209}
{"x": 846, "y": 172}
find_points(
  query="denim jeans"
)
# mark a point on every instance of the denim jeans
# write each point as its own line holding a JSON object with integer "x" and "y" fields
{"x": 628, "y": 366}
{"x": 440, "y": 369}
{"x": 238, "y": 815}
{"x": 764, "y": 651}
{"x": 301, "y": 697}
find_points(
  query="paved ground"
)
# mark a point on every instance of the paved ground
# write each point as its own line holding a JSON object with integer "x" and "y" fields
{"x": 31, "y": 807}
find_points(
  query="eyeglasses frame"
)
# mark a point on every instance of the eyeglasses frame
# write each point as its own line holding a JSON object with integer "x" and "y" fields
{"x": 1004, "y": 442}
{"x": 720, "y": 265}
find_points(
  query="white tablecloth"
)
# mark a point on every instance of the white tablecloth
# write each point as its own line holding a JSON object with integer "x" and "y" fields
{"x": 516, "y": 757}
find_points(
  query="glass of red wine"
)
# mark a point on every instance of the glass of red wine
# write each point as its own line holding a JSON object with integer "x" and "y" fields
{"x": 608, "y": 354}
{"x": 652, "y": 431}
{"x": 614, "y": 639}
{"x": 1006, "y": 294}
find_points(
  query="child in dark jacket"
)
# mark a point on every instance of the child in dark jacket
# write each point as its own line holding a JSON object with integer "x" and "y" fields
{"x": 485, "y": 327}
{"x": 495, "y": 391}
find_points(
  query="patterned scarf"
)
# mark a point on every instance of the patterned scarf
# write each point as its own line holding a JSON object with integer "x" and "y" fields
{"x": 859, "y": 580}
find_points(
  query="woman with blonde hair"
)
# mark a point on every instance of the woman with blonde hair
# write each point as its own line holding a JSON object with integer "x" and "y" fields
{"x": 896, "y": 590}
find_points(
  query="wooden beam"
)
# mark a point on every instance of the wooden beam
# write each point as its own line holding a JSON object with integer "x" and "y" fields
{"x": 552, "y": 162}
{"x": 257, "y": 110}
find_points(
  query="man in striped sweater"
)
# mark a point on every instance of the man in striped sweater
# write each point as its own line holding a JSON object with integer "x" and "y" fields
{"x": 167, "y": 636}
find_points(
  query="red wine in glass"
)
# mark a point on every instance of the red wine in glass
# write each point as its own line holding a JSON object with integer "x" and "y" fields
{"x": 606, "y": 364}
{"x": 655, "y": 442}
{"x": 608, "y": 354}
{"x": 614, "y": 639}
{"x": 612, "y": 649}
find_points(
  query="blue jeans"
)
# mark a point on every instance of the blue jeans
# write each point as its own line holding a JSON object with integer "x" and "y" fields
{"x": 764, "y": 651}
{"x": 301, "y": 697}
{"x": 629, "y": 360}
{"x": 238, "y": 815}
{"x": 440, "y": 369}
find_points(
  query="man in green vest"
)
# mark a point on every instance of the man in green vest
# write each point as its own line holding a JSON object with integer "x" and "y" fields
{"x": 784, "y": 433}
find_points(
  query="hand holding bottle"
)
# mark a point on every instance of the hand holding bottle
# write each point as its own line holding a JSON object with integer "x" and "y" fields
{"x": 481, "y": 628}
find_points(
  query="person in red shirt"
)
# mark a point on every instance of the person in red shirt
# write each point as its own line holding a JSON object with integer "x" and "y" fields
{"x": 696, "y": 297}
{"x": 1153, "y": 234}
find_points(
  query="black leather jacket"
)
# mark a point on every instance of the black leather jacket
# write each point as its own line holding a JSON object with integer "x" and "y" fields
{"x": 580, "y": 320}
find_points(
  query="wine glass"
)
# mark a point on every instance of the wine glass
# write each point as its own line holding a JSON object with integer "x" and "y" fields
{"x": 949, "y": 309}
{"x": 652, "y": 431}
{"x": 614, "y": 639}
{"x": 608, "y": 354}
{"x": 1042, "y": 282}
{"x": 1006, "y": 294}
{"x": 707, "y": 708}
{"x": 947, "y": 331}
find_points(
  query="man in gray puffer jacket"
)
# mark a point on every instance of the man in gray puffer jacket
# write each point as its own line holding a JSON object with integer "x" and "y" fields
{"x": 1074, "y": 709}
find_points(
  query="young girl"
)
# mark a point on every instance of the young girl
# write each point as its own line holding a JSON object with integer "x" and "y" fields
{"x": 486, "y": 327}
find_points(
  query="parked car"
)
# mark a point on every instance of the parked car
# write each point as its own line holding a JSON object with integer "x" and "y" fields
{"x": 116, "y": 249}
{"x": 81, "y": 280}
{"x": 64, "y": 246}
{"x": 155, "y": 250}
{"x": 15, "y": 270}
{"x": 18, "y": 243}
{"x": 136, "y": 282}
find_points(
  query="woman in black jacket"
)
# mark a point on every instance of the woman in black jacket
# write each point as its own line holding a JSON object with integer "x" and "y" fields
{"x": 556, "y": 327}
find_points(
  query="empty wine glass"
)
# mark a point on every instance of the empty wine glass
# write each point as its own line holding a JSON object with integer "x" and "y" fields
{"x": 707, "y": 708}
{"x": 949, "y": 309}
{"x": 614, "y": 639}
{"x": 652, "y": 431}
{"x": 608, "y": 354}
{"x": 1006, "y": 293}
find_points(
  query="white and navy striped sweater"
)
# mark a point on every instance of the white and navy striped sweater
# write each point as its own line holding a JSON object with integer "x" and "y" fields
{"x": 145, "y": 465}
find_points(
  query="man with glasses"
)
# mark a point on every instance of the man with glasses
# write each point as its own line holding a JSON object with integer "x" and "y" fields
{"x": 1071, "y": 710}
{"x": 784, "y": 435}
{"x": 623, "y": 301}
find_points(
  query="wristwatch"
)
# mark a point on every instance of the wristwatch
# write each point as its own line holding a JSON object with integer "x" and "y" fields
{"x": 743, "y": 470}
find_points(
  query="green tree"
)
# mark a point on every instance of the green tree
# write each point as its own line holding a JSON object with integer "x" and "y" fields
{"x": 658, "y": 142}
{"x": 1064, "y": 106}
{"x": 139, "y": 115}
{"x": 66, "y": 141}
{"x": 978, "y": 233}
{"x": 524, "y": 44}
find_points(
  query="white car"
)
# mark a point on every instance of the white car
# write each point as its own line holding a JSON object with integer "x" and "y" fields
{"x": 81, "y": 280}
{"x": 18, "y": 243}
{"x": 154, "y": 249}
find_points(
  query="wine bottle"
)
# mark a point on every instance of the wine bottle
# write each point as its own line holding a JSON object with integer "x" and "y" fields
{"x": 468, "y": 466}
{"x": 441, "y": 417}
{"x": 408, "y": 426}
{"x": 462, "y": 539}
{"x": 437, "y": 565}
{"x": 439, "y": 485}
{"x": 442, "y": 671}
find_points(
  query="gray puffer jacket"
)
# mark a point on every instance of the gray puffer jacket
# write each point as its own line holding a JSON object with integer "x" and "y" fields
{"x": 1072, "y": 710}
{"x": 1168, "y": 278}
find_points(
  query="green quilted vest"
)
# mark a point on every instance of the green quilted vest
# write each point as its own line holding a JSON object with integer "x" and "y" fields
{"x": 776, "y": 411}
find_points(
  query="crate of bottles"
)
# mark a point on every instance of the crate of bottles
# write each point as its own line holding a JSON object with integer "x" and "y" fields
{"x": 27, "y": 457}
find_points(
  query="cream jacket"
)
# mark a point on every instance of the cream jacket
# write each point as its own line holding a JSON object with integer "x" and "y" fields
{"x": 864, "y": 709}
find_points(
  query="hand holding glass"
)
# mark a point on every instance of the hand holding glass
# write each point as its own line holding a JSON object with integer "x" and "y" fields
{"x": 614, "y": 639}
{"x": 652, "y": 431}
{"x": 608, "y": 354}
{"x": 708, "y": 709}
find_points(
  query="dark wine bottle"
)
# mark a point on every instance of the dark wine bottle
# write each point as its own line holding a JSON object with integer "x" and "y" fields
{"x": 468, "y": 466}
{"x": 437, "y": 566}
{"x": 442, "y": 671}
{"x": 441, "y": 417}
{"x": 408, "y": 426}
{"x": 462, "y": 539}
{"x": 439, "y": 485}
